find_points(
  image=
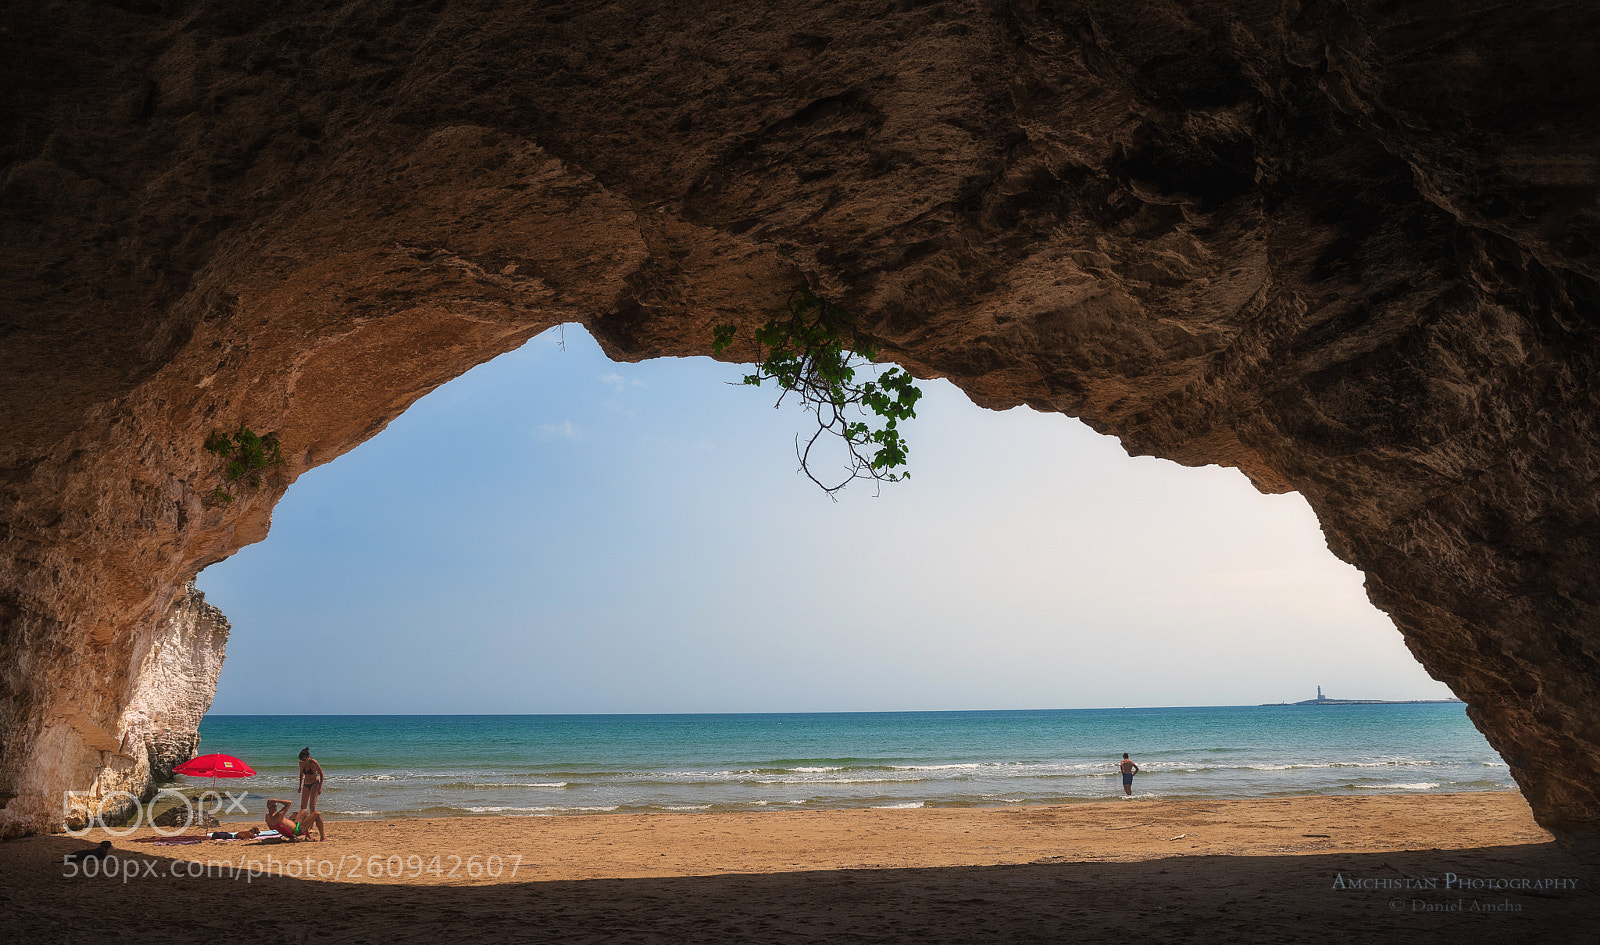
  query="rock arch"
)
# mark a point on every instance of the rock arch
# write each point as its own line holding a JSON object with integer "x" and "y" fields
{"x": 1348, "y": 249}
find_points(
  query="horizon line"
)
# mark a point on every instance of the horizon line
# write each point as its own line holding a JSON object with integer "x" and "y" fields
{"x": 1453, "y": 700}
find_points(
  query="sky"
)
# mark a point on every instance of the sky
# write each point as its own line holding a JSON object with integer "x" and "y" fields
{"x": 557, "y": 533}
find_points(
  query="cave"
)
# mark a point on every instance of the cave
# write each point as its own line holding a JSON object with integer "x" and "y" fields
{"x": 1346, "y": 248}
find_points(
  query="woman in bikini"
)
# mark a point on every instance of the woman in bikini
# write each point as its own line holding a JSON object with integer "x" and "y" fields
{"x": 310, "y": 782}
{"x": 277, "y": 809}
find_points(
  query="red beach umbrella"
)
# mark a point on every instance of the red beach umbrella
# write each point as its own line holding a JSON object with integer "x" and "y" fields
{"x": 214, "y": 767}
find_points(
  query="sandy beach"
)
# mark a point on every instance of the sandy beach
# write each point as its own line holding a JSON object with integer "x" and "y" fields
{"x": 1444, "y": 868}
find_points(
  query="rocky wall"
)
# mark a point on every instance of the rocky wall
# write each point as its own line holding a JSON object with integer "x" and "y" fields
{"x": 101, "y": 771}
{"x": 174, "y": 679}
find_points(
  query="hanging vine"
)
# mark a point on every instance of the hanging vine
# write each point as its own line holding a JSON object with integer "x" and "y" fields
{"x": 813, "y": 351}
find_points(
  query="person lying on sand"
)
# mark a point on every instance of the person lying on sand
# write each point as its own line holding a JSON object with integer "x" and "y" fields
{"x": 249, "y": 834}
{"x": 292, "y": 829}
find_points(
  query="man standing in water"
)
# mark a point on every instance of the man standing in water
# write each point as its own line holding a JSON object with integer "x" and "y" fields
{"x": 1129, "y": 769}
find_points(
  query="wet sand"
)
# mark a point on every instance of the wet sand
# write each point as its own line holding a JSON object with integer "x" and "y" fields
{"x": 1443, "y": 868}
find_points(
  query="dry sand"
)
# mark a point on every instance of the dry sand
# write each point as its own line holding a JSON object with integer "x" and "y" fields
{"x": 1346, "y": 869}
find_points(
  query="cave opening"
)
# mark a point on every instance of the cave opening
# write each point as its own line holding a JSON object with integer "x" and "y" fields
{"x": 555, "y": 555}
{"x": 557, "y": 532}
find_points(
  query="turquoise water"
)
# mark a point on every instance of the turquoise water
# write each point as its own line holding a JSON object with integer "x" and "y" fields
{"x": 432, "y": 765}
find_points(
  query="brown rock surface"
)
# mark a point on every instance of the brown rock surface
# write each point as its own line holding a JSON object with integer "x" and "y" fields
{"x": 1348, "y": 248}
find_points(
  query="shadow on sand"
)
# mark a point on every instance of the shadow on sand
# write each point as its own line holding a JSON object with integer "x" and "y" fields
{"x": 1344, "y": 898}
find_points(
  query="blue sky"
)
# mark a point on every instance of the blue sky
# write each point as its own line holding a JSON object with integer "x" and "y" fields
{"x": 555, "y": 532}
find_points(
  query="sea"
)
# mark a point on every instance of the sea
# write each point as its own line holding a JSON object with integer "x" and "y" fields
{"x": 391, "y": 766}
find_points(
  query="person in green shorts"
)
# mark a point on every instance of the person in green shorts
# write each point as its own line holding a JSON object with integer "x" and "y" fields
{"x": 292, "y": 829}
